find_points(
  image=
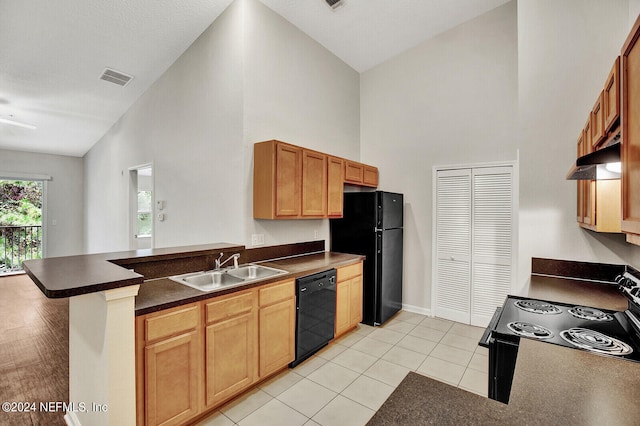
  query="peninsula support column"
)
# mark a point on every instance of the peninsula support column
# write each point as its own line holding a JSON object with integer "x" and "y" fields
{"x": 102, "y": 388}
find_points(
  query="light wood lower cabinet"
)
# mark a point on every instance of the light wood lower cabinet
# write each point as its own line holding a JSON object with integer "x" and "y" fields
{"x": 348, "y": 298}
{"x": 169, "y": 374}
{"x": 193, "y": 358}
{"x": 277, "y": 326}
{"x": 230, "y": 346}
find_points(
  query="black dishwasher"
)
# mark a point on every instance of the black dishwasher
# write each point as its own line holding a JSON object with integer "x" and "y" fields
{"x": 315, "y": 313}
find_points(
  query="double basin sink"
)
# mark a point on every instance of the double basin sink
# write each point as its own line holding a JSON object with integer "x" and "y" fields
{"x": 224, "y": 278}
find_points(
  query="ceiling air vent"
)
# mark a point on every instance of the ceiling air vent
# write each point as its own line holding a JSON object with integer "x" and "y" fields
{"x": 115, "y": 77}
{"x": 334, "y": 3}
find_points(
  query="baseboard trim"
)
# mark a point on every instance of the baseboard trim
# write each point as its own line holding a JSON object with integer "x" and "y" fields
{"x": 417, "y": 310}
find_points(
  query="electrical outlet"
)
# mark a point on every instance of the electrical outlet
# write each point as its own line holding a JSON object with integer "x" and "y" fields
{"x": 257, "y": 239}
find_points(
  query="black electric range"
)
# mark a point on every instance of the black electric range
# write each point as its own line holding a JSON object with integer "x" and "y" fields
{"x": 598, "y": 331}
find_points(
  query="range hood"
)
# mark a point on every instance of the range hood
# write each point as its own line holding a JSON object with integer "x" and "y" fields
{"x": 593, "y": 165}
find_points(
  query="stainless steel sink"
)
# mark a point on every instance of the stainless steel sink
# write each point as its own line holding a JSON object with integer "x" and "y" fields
{"x": 229, "y": 277}
{"x": 254, "y": 272}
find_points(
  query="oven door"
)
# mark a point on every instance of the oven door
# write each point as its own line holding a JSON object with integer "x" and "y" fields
{"x": 503, "y": 351}
{"x": 502, "y": 363}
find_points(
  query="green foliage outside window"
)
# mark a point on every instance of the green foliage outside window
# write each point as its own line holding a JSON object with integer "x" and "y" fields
{"x": 20, "y": 207}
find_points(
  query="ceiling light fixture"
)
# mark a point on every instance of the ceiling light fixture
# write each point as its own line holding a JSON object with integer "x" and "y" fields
{"x": 17, "y": 123}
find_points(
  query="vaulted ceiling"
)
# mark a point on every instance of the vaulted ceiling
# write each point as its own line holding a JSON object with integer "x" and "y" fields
{"x": 52, "y": 53}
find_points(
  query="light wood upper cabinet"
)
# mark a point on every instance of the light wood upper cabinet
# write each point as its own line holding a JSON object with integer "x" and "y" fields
{"x": 611, "y": 97}
{"x": 288, "y": 184}
{"x": 335, "y": 186}
{"x": 277, "y": 180}
{"x": 360, "y": 174}
{"x": 370, "y": 176}
{"x": 353, "y": 172}
{"x": 597, "y": 122}
{"x": 314, "y": 184}
{"x": 291, "y": 182}
{"x": 630, "y": 134}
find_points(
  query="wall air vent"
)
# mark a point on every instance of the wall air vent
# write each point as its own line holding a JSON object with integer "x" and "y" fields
{"x": 116, "y": 77}
{"x": 334, "y": 3}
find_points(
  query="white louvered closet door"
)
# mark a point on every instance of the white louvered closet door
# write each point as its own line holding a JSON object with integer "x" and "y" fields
{"x": 474, "y": 232}
{"x": 453, "y": 244}
{"x": 492, "y": 268}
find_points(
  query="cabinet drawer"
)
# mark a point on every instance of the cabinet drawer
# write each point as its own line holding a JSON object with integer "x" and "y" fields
{"x": 348, "y": 272}
{"x": 229, "y": 306}
{"x": 171, "y": 323}
{"x": 275, "y": 292}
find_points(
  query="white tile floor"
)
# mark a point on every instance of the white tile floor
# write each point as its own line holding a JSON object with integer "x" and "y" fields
{"x": 346, "y": 382}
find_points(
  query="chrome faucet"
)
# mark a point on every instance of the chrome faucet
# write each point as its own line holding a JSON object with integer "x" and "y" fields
{"x": 235, "y": 258}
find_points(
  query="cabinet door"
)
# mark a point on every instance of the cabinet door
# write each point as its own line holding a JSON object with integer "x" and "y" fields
{"x": 277, "y": 336}
{"x": 597, "y": 122}
{"x": 588, "y": 147}
{"x": 288, "y": 180}
{"x": 314, "y": 183}
{"x": 611, "y": 98}
{"x": 355, "y": 301}
{"x": 335, "y": 186}
{"x": 370, "y": 176}
{"x": 230, "y": 357}
{"x": 172, "y": 372}
{"x": 353, "y": 172}
{"x": 579, "y": 184}
{"x": 630, "y": 123}
{"x": 343, "y": 303}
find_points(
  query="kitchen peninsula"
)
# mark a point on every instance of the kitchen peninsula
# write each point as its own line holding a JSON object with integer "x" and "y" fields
{"x": 108, "y": 292}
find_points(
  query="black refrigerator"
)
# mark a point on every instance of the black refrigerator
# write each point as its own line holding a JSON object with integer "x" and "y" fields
{"x": 372, "y": 226}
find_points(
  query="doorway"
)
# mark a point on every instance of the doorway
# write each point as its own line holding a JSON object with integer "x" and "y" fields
{"x": 141, "y": 207}
{"x": 21, "y": 223}
{"x": 475, "y": 227}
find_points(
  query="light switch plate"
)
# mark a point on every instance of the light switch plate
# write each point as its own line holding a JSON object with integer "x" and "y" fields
{"x": 257, "y": 239}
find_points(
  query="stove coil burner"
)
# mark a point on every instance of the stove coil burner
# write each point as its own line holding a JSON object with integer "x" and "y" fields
{"x": 594, "y": 341}
{"x": 591, "y": 314}
{"x": 530, "y": 330}
{"x": 537, "y": 307}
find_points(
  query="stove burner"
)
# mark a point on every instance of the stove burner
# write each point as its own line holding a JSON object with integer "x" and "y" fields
{"x": 595, "y": 341}
{"x": 530, "y": 330}
{"x": 537, "y": 307}
{"x": 592, "y": 314}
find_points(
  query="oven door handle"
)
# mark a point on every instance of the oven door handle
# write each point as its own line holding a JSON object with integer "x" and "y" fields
{"x": 484, "y": 340}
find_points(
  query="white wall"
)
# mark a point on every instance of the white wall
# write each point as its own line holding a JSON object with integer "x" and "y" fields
{"x": 565, "y": 51}
{"x": 64, "y": 196}
{"x": 634, "y": 12}
{"x": 251, "y": 76}
{"x": 189, "y": 125}
{"x": 450, "y": 100}
{"x": 298, "y": 92}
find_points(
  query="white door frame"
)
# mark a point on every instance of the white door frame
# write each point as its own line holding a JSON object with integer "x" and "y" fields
{"x": 133, "y": 203}
{"x": 516, "y": 197}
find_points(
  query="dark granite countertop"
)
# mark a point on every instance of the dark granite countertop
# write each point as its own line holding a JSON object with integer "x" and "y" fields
{"x": 578, "y": 292}
{"x": 164, "y": 293}
{"x": 75, "y": 275}
{"x": 552, "y": 385}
